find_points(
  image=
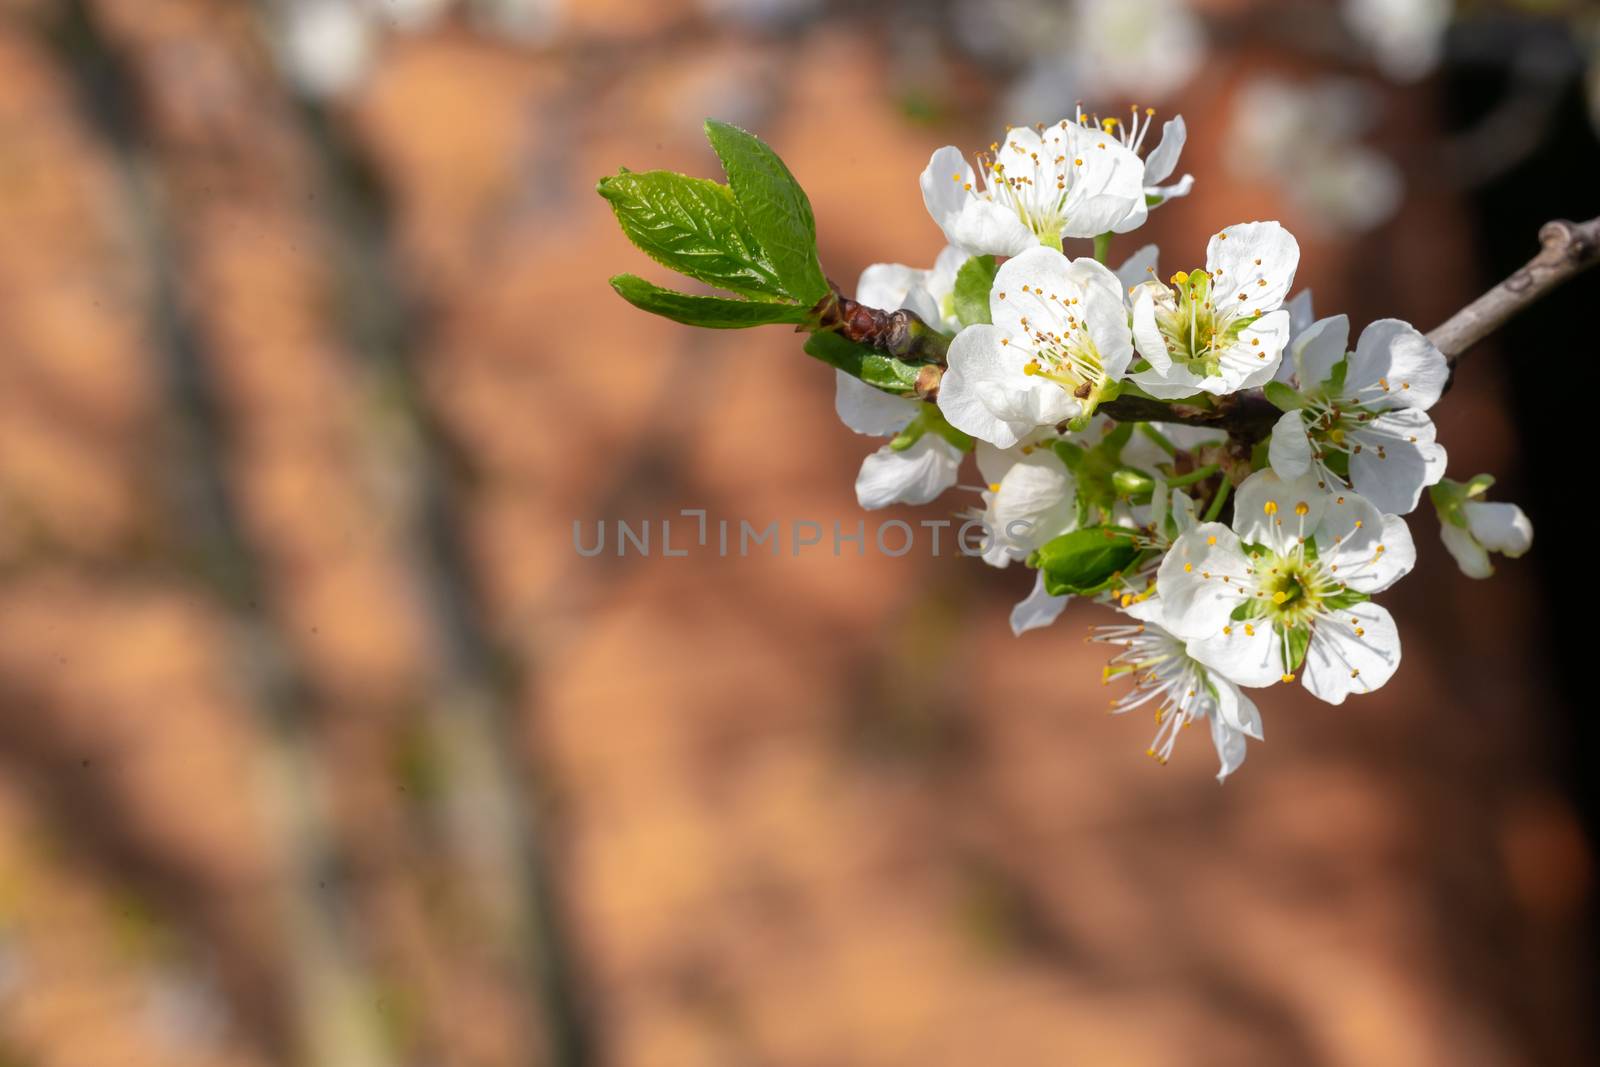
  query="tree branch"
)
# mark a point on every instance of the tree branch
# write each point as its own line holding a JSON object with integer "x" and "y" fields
{"x": 1569, "y": 248}
{"x": 901, "y": 334}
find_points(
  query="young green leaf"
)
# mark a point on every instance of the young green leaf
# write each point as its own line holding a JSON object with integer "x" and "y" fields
{"x": 973, "y": 282}
{"x": 775, "y": 208}
{"x": 711, "y": 312}
{"x": 693, "y": 226}
{"x": 859, "y": 361}
{"x": 1083, "y": 561}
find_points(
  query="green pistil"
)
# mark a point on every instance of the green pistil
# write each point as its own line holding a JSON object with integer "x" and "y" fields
{"x": 1194, "y": 332}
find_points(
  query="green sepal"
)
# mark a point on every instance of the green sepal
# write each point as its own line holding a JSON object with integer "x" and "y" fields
{"x": 711, "y": 312}
{"x": 1071, "y": 454}
{"x": 1283, "y": 397}
{"x": 929, "y": 419}
{"x": 974, "y": 281}
{"x": 775, "y": 208}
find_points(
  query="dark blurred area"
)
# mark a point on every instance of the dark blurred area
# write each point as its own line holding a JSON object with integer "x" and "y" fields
{"x": 320, "y": 745}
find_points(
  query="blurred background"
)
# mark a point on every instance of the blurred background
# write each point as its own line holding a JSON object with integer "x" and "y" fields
{"x": 320, "y": 745}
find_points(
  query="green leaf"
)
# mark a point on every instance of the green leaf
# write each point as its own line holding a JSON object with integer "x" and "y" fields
{"x": 873, "y": 367}
{"x": 973, "y": 282}
{"x": 775, "y": 208}
{"x": 1282, "y": 397}
{"x": 712, "y": 312}
{"x": 693, "y": 226}
{"x": 1085, "y": 560}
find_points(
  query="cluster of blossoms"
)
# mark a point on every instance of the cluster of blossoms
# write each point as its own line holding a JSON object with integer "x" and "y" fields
{"x": 1128, "y": 513}
{"x": 1197, "y": 452}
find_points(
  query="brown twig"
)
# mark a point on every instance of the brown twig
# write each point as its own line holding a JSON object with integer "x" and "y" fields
{"x": 901, "y": 334}
{"x": 1569, "y": 248}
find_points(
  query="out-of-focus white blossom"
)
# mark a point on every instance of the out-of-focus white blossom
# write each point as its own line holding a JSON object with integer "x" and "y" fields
{"x": 1304, "y": 138}
{"x": 1406, "y": 36}
{"x": 325, "y": 46}
{"x": 1108, "y": 50}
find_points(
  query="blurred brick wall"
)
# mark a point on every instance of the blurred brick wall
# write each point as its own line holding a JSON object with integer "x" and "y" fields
{"x": 790, "y": 810}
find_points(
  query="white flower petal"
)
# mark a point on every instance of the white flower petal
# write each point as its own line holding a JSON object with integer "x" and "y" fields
{"x": 1394, "y": 365}
{"x": 1398, "y": 459}
{"x": 1499, "y": 527}
{"x": 916, "y": 475}
{"x": 947, "y": 185}
{"x": 1230, "y": 746}
{"x": 1163, "y": 159}
{"x": 1356, "y": 654}
{"x": 1246, "y": 652}
{"x": 1237, "y": 710}
{"x": 986, "y": 394}
{"x": 985, "y": 228}
{"x": 1037, "y": 609}
{"x": 1278, "y": 512}
{"x": 1470, "y": 556}
{"x": 1316, "y": 349}
{"x": 1195, "y": 599}
{"x": 1106, "y": 192}
{"x": 941, "y": 280}
{"x": 1147, "y": 334}
{"x": 886, "y": 285}
{"x": 1300, "y": 311}
{"x": 1248, "y": 364}
{"x": 1034, "y": 503}
{"x": 869, "y": 410}
{"x": 1139, "y": 267}
{"x": 1253, "y": 265}
{"x": 1363, "y": 548}
{"x": 1289, "y": 452}
{"x": 1182, "y": 187}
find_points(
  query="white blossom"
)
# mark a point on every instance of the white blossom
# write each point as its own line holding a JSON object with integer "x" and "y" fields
{"x": 1471, "y": 527}
{"x": 1162, "y": 671}
{"x": 1289, "y": 585}
{"x": 1041, "y": 185}
{"x": 1406, "y": 36}
{"x": 1305, "y": 139}
{"x": 1059, "y": 336}
{"x": 1029, "y": 497}
{"x": 1220, "y": 329}
{"x": 1364, "y": 421}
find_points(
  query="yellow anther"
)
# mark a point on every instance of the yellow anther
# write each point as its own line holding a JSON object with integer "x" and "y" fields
{"x": 1270, "y": 507}
{"x": 1288, "y": 677}
{"x": 1211, "y": 540}
{"x": 1279, "y": 597}
{"x": 1188, "y": 568}
{"x": 1302, "y": 508}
